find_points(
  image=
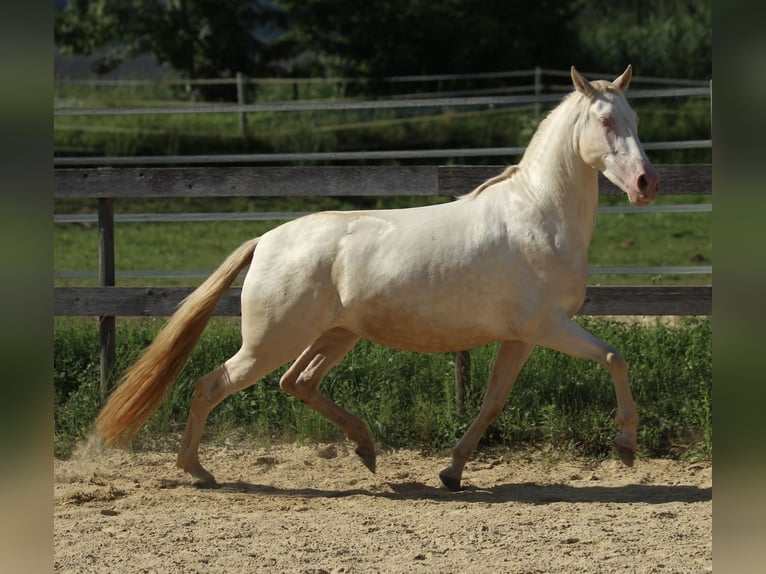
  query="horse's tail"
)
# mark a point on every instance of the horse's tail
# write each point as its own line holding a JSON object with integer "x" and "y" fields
{"x": 142, "y": 387}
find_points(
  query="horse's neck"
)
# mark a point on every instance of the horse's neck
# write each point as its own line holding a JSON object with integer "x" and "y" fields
{"x": 559, "y": 182}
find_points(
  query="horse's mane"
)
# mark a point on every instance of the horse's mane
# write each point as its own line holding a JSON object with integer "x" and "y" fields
{"x": 507, "y": 174}
{"x": 572, "y": 99}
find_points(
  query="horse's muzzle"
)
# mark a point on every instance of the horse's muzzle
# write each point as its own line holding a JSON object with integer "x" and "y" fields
{"x": 647, "y": 186}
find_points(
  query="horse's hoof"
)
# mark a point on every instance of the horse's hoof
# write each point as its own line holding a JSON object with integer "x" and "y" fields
{"x": 450, "y": 482}
{"x": 627, "y": 455}
{"x": 200, "y": 476}
{"x": 368, "y": 458}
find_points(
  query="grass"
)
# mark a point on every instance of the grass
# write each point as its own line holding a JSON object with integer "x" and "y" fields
{"x": 407, "y": 399}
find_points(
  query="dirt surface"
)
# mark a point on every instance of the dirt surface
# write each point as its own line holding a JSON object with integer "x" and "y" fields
{"x": 316, "y": 509}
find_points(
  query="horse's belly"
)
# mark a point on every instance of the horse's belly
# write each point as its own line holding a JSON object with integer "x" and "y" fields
{"x": 413, "y": 331}
{"x": 429, "y": 342}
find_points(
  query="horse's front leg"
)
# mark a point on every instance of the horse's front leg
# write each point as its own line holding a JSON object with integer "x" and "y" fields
{"x": 568, "y": 337}
{"x": 508, "y": 362}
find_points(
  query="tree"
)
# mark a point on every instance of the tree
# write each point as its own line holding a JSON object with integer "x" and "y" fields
{"x": 377, "y": 38}
{"x": 670, "y": 38}
{"x": 199, "y": 38}
{"x": 396, "y": 37}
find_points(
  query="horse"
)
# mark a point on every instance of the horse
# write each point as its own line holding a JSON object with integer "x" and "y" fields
{"x": 504, "y": 263}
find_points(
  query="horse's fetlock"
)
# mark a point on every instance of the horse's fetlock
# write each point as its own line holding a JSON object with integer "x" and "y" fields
{"x": 626, "y": 439}
{"x": 628, "y": 421}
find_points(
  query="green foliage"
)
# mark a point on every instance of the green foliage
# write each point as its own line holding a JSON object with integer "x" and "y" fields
{"x": 660, "y": 38}
{"x": 400, "y": 37}
{"x": 215, "y": 38}
{"x": 407, "y": 399}
{"x": 200, "y": 38}
{"x": 75, "y": 382}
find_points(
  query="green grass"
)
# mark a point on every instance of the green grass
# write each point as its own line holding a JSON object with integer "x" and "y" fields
{"x": 653, "y": 239}
{"x": 407, "y": 399}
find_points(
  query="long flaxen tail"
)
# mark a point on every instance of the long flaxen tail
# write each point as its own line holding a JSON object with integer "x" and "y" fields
{"x": 142, "y": 387}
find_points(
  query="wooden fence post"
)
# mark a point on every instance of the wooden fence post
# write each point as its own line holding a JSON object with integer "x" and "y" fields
{"x": 106, "y": 323}
{"x": 241, "y": 101}
{"x": 711, "y": 109}
{"x": 538, "y": 88}
{"x": 462, "y": 379}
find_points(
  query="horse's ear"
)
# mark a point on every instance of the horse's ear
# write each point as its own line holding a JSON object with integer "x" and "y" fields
{"x": 624, "y": 81}
{"x": 582, "y": 85}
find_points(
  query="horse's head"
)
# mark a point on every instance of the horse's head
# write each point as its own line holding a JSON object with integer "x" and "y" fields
{"x": 608, "y": 140}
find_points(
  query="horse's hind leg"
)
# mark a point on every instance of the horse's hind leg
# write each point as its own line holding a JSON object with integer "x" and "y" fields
{"x": 572, "y": 339}
{"x": 303, "y": 378}
{"x": 237, "y": 373}
{"x": 508, "y": 362}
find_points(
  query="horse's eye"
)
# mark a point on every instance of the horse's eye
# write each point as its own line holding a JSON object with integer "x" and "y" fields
{"x": 606, "y": 121}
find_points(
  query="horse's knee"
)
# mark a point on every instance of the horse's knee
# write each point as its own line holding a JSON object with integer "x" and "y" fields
{"x": 304, "y": 383}
{"x": 288, "y": 383}
{"x": 297, "y": 386}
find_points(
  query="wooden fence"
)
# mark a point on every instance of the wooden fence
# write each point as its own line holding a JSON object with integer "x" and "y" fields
{"x": 106, "y": 184}
{"x": 541, "y": 91}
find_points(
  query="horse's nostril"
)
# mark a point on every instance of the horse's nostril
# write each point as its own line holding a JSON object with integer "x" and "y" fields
{"x": 642, "y": 182}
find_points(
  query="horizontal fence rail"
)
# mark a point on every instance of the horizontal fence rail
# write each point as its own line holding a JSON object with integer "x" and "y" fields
{"x": 114, "y": 161}
{"x": 343, "y": 181}
{"x": 162, "y": 301}
{"x": 539, "y": 72}
{"x": 86, "y": 218}
{"x": 349, "y": 105}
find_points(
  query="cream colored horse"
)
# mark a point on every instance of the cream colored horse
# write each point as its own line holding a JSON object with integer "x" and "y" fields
{"x": 505, "y": 263}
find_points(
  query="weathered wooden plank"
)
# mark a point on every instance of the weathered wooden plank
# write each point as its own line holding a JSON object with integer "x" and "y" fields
{"x": 230, "y": 181}
{"x": 654, "y": 300}
{"x": 688, "y": 179}
{"x": 685, "y": 179}
{"x": 132, "y": 301}
{"x": 233, "y": 181}
{"x": 460, "y": 179}
{"x": 141, "y": 301}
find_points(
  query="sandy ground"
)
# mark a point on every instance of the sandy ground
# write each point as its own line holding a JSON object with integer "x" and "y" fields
{"x": 317, "y": 510}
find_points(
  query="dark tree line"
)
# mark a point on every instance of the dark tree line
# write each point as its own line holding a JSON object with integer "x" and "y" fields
{"x": 376, "y": 38}
{"x": 402, "y": 37}
{"x": 198, "y": 38}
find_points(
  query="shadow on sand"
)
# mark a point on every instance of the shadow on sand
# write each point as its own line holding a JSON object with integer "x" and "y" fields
{"x": 525, "y": 492}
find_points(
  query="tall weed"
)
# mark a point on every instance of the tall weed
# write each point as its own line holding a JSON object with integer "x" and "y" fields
{"x": 407, "y": 399}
